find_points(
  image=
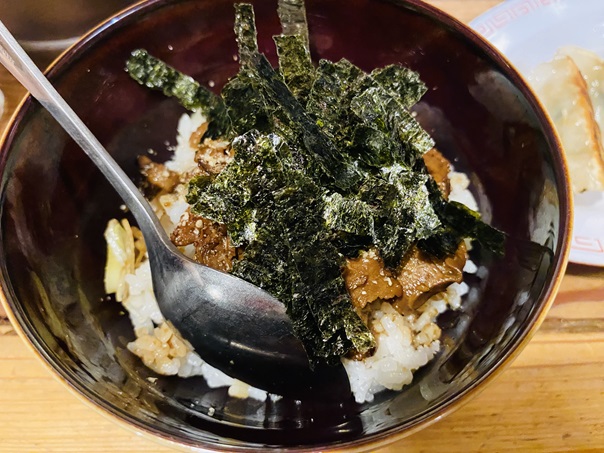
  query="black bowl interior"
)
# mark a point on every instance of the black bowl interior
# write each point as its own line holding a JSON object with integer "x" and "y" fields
{"x": 55, "y": 205}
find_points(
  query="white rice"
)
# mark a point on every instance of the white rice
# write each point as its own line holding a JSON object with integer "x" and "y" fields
{"x": 404, "y": 343}
{"x": 459, "y": 190}
{"x": 161, "y": 347}
{"x": 183, "y": 159}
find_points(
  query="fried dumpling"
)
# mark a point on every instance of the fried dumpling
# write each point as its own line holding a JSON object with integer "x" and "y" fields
{"x": 563, "y": 92}
{"x": 592, "y": 70}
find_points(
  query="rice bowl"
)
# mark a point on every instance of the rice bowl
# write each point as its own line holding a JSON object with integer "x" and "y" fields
{"x": 84, "y": 339}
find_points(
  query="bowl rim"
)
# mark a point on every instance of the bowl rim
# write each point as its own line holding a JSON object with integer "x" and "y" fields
{"x": 381, "y": 438}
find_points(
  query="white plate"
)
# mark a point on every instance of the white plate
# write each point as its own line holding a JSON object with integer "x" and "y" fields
{"x": 529, "y": 32}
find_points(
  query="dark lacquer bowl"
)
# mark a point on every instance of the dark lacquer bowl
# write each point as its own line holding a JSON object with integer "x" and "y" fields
{"x": 55, "y": 205}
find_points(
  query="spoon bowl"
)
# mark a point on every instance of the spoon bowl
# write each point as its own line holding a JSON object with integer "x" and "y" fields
{"x": 234, "y": 325}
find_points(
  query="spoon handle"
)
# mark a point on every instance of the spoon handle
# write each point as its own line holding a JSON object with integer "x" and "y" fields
{"x": 16, "y": 60}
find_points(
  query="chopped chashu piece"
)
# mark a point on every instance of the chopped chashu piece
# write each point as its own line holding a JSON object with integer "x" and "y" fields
{"x": 439, "y": 168}
{"x": 211, "y": 155}
{"x": 422, "y": 276}
{"x": 367, "y": 280}
{"x": 212, "y": 244}
{"x": 196, "y": 137}
{"x": 158, "y": 175}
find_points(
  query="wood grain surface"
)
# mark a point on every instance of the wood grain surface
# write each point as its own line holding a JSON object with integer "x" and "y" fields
{"x": 550, "y": 399}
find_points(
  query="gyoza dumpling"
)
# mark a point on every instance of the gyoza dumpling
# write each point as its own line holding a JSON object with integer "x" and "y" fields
{"x": 563, "y": 92}
{"x": 592, "y": 70}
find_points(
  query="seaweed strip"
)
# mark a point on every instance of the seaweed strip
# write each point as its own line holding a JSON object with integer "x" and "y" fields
{"x": 458, "y": 222}
{"x": 404, "y": 212}
{"x": 416, "y": 141}
{"x": 373, "y": 147}
{"x": 468, "y": 224}
{"x": 292, "y": 15}
{"x": 247, "y": 107}
{"x": 250, "y": 107}
{"x": 348, "y": 215}
{"x": 155, "y": 74}
{"x": 245, "y": 32}
{"x": 295, "y": 65}
{"x": 442, "y": 243}
{"x": 401, "y": 83}
{"x": 365, "y": 117}
{"x": 293, "y": 47}
{"x": 461, "y": 222}
{"x": 375, "y": 106}
{"x": 334, "y": 87}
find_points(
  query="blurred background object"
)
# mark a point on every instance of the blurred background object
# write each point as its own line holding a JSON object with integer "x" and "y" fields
{"x": 47, "y": 27}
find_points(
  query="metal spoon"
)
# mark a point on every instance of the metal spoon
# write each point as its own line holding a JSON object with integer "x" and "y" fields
{"x": 234, "y": 325}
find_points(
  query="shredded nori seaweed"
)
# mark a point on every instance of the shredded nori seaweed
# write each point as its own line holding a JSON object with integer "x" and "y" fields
{"x": 276, "y": 213}
{"x": 327, "y": 162}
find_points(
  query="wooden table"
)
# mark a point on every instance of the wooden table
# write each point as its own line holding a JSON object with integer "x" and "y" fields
{"x": 550, "y": 399}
